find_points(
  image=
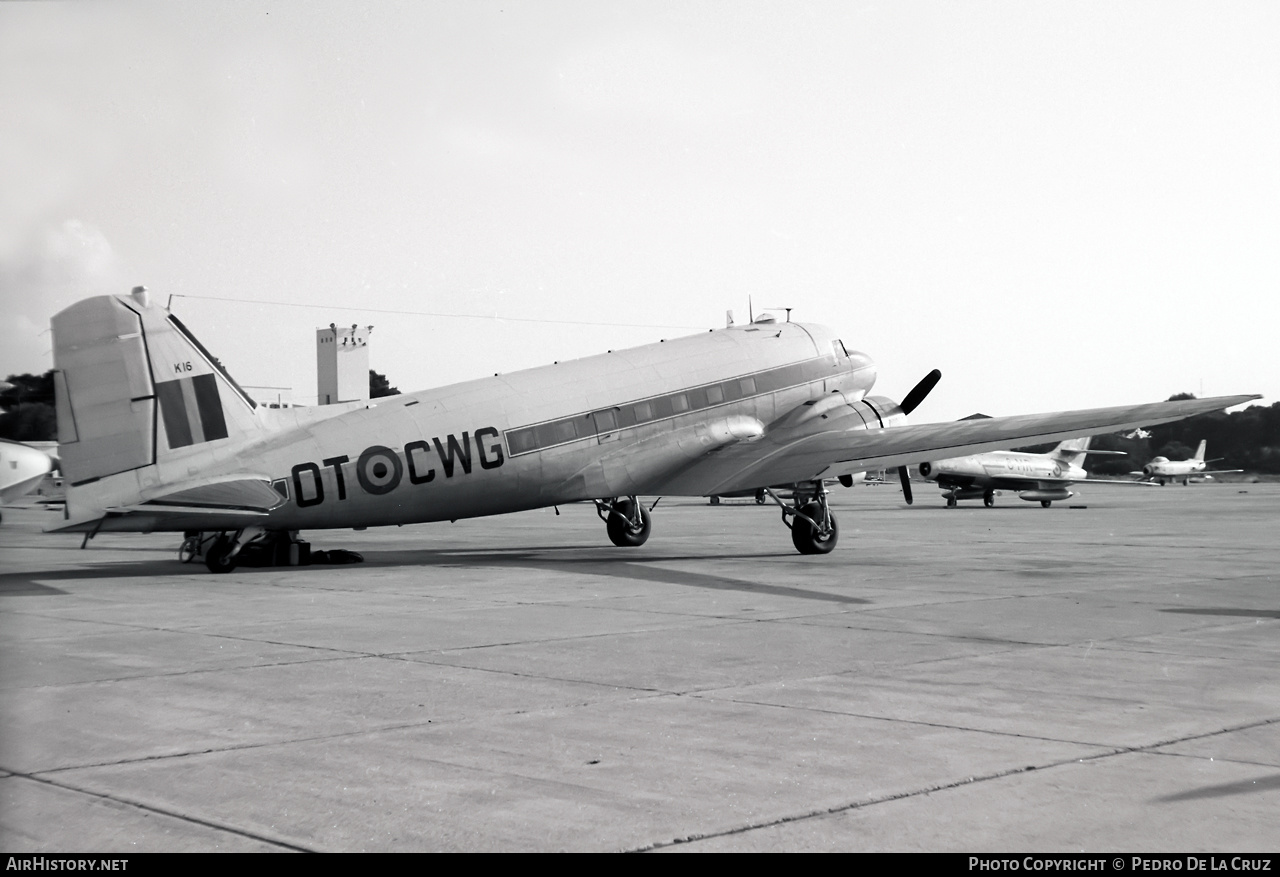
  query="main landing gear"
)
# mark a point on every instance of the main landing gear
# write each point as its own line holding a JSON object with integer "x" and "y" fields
{"x": 626, "y": 520}
{"x": 813, "y": 527}
{"x": 220, "y": 550}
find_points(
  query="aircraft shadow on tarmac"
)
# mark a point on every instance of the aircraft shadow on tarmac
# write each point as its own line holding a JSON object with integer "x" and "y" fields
{"x": 1243, "y": 787}
{"x": 639, "y": 569}
{"x": 35, "y": 583}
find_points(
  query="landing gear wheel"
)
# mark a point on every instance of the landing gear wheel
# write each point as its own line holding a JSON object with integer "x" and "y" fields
{"x": 1045, "y": 503}
{"x": 951, "y": 502}
{"x": 807, "y": 538}
{"x": 622, "y": 531}
{"x": 189, "y": 549}
{"x": 989, "y": 498}
{"x": 219, "y": 558}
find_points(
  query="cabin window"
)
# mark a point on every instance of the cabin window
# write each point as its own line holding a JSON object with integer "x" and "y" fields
{"x": 555, "y": 433}
{"x": 644, "y": 412}
{"x": 520, "y": 440}
{"x": 606, "y": 420}
{"x": 748, "y": 386}
{"x": 715, "y": 395}
{"x": 679, "y": 403}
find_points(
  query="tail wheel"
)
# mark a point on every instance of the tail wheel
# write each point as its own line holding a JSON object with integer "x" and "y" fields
{"x": 1045, "y": 503}
{"x": 989, "y": 498}
{"x": 219, "y": 558}
{"x": 622, "y": 527}
{"x": 807, "y": 538}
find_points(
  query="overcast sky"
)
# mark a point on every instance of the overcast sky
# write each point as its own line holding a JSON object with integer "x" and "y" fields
{"x": 1061, "y": 205}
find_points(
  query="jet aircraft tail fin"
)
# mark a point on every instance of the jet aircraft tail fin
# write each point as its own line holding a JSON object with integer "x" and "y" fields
{"x": 1200, "y": 450}
{"x": 134, "y": 387}
{"x": 1072, "y": 451}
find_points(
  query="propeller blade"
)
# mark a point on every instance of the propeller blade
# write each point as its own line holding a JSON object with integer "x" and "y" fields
{"x": 920, "y": 390}
{"x": 906, "y": 483}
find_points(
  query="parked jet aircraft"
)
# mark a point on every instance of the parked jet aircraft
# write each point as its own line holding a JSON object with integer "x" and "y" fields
{"x": 22, "y": 468}
{"x": 155, "y": 435}
{"x": 1162, "y": 469}
{"x": 1042, "y": 477}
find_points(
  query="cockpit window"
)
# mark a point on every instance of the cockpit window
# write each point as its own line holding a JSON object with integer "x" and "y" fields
{"x": 840, "y": 349}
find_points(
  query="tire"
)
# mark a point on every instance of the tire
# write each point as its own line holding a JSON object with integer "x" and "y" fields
{"x": 189, "y": 549}
{"x": 951, "y": 502}
{"x": 1045, "y": 503}
{"x": 805, "y": 537}
{"x": 619, "y": 526}
{"x": 219, "y": 558}
{"x": 989, "y": 498}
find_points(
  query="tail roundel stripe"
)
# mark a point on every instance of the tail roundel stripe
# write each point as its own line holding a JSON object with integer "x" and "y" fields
{"x": 192, "y": 410}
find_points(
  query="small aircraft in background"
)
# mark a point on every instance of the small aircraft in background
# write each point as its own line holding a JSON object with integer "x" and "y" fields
{"x": 1162, "y": 469}
{"x": 22, "y": 469}
{"x": 1042, "y": 477}
{"x": 154, "y": 435}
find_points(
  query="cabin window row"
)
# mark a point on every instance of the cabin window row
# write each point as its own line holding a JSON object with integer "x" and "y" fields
{"x": 591, "y": 424}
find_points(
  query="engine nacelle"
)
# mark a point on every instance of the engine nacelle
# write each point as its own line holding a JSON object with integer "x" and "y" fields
{"x": 926, "y": 469}
{"x": 1046, "y": 495}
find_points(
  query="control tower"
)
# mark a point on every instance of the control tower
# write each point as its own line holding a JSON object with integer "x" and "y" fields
{"x": 342, "y": 364}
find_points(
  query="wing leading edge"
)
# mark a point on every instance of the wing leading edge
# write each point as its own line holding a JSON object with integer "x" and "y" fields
{"x": 832, "y": 453}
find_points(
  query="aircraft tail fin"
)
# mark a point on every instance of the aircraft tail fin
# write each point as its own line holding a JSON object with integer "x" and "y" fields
{"x": 1072, "y": 451}
{"x": 134, "y": 387}
{"x": 1200, "y": 450}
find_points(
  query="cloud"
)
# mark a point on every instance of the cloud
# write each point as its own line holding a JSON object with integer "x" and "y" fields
{"x": 55, "y": 267}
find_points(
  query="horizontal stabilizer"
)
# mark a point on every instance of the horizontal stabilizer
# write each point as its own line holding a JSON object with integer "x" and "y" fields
{"x": 228, "y": 496}
{"x": 236, "y": 493}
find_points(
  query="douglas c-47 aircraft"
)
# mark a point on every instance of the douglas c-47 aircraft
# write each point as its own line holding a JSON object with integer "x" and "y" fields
{"x": 1042, "y": 477}
{"x": 154, "y": 435}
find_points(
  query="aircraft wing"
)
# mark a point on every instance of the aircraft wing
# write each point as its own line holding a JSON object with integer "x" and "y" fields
{"x": 794, "y": 457}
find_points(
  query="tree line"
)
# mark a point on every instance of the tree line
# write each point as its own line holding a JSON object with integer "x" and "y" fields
{"x": 29, "y": 413}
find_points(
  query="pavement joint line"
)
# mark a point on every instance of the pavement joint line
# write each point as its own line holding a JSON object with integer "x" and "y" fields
{"x": 151, "y": 808}
{"x": 710, "y": 695}
{"x": 940, "y": 787}
{"x": 1215, "y": 759}
{"x": 380, "y": 729}
{"x": 203, "y": 670}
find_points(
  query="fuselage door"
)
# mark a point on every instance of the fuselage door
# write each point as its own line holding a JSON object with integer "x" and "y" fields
{"x": 605, "y": 423}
